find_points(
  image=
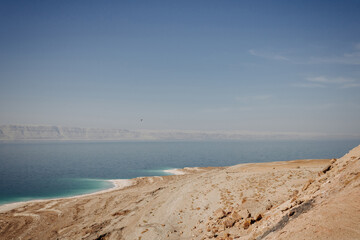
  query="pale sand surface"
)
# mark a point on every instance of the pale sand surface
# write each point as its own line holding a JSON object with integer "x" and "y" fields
{"x": 175, "y": 171}
{"x": 300, "y": 199}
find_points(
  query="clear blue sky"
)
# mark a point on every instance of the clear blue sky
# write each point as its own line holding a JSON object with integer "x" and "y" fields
{"x": 198, "y": 65}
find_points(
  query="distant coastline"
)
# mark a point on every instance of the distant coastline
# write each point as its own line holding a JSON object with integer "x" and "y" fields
{"x": 11, "y": 133}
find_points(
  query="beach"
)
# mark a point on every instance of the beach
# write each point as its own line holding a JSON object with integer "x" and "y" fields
{"x": 299, "y": 199}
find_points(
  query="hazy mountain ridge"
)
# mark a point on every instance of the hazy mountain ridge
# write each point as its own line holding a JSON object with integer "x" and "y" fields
{"x": 25, "y": 132}
{"x": 29, "y": 132}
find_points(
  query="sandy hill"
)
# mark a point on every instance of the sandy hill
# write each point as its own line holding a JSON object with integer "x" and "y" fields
{"x": 302, "y": 199}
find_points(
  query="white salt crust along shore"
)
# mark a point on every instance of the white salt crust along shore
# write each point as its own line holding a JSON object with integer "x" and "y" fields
{"x": 118, "y": 184}
{"x": 174, "y": 171}
{"x": 183, "y": 171}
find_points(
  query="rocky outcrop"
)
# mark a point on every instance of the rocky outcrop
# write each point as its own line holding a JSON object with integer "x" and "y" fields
{"x": 327, "y": 207}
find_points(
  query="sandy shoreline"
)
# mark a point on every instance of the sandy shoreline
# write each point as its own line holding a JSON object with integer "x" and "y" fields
{"x": 278, "y": 200}
{"x": 118, "y": 184}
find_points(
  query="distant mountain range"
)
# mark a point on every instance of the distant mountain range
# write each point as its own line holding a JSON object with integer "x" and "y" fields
{"x": 32, "y": 132}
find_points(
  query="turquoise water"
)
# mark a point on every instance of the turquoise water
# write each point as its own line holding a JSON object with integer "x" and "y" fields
{"x": 59, "y": 169}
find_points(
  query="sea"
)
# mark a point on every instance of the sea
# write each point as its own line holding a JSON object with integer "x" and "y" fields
{"x": 43, "y": 170}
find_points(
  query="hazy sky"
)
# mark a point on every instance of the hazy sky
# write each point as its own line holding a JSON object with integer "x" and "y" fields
{"x": 197, "y": 65}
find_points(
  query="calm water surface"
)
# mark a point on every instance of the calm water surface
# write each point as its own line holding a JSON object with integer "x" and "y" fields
{"x": 59, "y": 169}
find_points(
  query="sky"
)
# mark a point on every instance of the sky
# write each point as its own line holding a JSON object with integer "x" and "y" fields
{"x": 260, "y": 66}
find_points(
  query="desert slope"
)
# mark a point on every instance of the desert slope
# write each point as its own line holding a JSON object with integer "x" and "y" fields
{"x": 334, "y": 203}
{"x": 302, "y": 199}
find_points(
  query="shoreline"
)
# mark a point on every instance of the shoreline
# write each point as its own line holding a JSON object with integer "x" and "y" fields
{"x": 117, "y": 184}
{"x": 174, "y": 171}
{"x": 247, "y": 201}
